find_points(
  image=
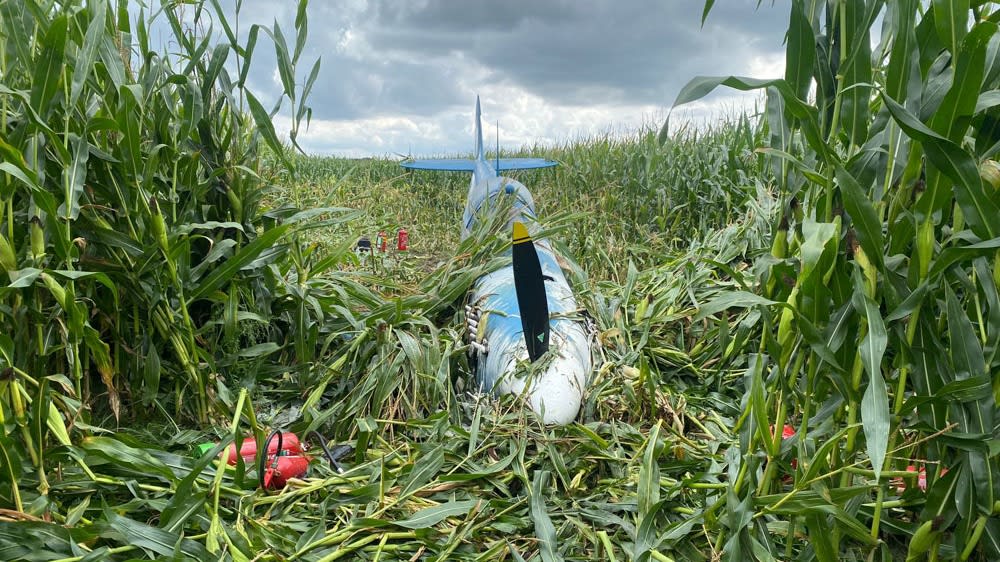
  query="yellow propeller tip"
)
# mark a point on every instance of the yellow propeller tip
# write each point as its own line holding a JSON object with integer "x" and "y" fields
{"x": 521, "y": 233}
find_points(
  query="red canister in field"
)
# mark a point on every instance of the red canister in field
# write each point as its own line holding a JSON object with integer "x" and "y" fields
{"x": 380, "y": 241}
{"x": 283, "y": 467}
{"x": 402, "y": 240}
{"x": 284, "y": 458}
{"x": 290, "y": 445}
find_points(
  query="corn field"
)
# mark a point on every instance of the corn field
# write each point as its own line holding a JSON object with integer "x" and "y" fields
{"x": 797, "y": 310}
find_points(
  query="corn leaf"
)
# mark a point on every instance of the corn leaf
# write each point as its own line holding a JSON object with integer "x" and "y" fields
{"x": 545, "y": 531}
{"x": 48, "y": 68}
{"x": 951, "y": 22}
{"x": 956, "y": 164}
{"x": 855, "y": 72}
{"x": 967, "y": 358}
{"x": 265, "y": 127}
{"x": 875, "y": 402}
{"x": 430, "y": 516}
{"x": 136, "y": 460}
{"x": 866, "y": 221}
{"x": 153, "y": 540}
{"x": 225, "y": 272}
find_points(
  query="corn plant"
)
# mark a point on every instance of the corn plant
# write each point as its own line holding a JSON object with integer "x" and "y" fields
{"x": 671, "y": 193}
{"x": 378, "y": 360}
{"x": 879, "y": 311}
{"x": 436, "y": 472}
{"x": 135, "y": 250}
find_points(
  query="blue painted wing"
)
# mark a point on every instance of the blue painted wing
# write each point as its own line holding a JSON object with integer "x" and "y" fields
{"x": 441, "y": 164}
{"x": 463, "y": 165}
{"x": 524, "y": 163}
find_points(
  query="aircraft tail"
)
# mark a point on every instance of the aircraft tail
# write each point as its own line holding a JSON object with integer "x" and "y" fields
{"x": 480, "y": 152}
{"x": 478, "y": 166}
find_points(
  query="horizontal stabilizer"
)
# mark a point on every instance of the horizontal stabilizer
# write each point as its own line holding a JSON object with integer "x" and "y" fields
{"x": 463, "y": 165}
{"x": 441, "y": 164}
{"x": 524, "y": 163}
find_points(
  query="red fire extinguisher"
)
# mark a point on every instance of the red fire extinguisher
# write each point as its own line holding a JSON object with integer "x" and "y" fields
{"x": 288, "y": 444}
{"x": 402, "y": 240}
{"x": 285, "y": 457}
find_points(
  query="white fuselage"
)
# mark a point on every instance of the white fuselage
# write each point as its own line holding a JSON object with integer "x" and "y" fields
{"x": 555, "y": 391}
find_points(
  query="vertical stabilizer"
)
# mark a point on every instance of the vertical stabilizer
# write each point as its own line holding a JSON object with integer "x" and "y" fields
{"x": 481, "y": 169}
{"x": 480, "y": 154}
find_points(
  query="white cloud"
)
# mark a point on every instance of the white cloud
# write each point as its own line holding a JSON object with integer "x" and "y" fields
{"x": 402, "y": 79}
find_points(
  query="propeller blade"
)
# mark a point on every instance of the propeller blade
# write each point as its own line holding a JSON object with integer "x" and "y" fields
{"x": 530, "y": 287}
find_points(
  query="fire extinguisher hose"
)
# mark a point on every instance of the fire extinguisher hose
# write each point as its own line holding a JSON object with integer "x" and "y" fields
{"x": 338, "y": 452}
{"x": 263, "y": 457}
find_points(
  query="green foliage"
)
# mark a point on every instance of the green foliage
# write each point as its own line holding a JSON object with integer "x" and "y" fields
{"x": 831, "y": 265}
{"x": 150, "y": 270}
{"x": 376, "y": 358}
{"x": 131, "y": 219}
{"x": 635, "y": 199}
{"x": 884, "y": 265}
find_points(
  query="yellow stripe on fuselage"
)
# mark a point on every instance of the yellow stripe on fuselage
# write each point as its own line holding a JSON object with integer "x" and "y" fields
{"x": 521, "y": 233}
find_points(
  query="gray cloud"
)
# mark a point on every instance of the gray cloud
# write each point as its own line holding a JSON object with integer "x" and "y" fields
{"x": 395, "y": 70}
{"x": 581, "y": 52}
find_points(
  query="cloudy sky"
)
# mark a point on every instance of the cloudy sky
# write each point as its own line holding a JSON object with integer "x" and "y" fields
{"x": 401, "y": 77}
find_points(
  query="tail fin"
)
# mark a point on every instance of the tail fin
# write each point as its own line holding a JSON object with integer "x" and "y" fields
{"x": 480, "y": 154}
{"x": 478, "y": 166}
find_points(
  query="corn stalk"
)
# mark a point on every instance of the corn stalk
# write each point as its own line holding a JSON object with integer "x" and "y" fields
{"x": 130, "y": 217}
{"x": 880, "y": 297}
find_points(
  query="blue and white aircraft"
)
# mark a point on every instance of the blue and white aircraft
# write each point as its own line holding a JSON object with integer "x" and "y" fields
{"x": 524, "y": 311}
